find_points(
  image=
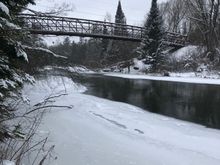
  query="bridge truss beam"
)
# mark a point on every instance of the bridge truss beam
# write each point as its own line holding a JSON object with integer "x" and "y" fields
{"x": 53, "y": 25}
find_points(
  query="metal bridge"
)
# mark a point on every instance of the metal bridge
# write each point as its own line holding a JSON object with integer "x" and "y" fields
{"x": 53, "y": 25}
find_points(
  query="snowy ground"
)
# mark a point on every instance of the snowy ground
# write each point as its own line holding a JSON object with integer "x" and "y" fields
{"x": 98, "y": 131}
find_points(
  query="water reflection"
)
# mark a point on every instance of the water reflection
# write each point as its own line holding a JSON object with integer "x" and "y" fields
{"x": 191, "y": 102}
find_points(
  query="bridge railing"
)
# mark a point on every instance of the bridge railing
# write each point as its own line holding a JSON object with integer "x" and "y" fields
{"x": 177, "y": 39}
{"x": 81, "y": 27}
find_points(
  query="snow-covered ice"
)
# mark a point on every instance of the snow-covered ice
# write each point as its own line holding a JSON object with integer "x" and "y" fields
{"x": 98, "y": 131}
{"x": 181, "y": 77}
{"x": 7, "y": 162}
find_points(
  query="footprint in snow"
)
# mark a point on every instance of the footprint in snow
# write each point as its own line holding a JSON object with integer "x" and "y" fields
{"x": 139, "y": 131}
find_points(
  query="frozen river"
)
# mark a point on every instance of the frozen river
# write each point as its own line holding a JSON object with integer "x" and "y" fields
{"x": 97, "y": 131}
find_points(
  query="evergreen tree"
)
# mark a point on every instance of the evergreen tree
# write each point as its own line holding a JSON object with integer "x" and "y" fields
{"x": 16, "y": 6}
{"x": 66, "y": 47}
{"x": 11, "y": 49}
{"x": 120, "y": 19}
{"x": 150, "y": 47}
{"x": 119, "y": 50}
{"x": 120, "y": 16}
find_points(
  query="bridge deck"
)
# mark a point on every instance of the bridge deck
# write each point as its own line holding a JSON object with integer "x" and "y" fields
{"x": 52, "y": 25}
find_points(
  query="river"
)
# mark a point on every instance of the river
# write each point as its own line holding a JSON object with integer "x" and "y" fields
{"x": 198, "y": 103}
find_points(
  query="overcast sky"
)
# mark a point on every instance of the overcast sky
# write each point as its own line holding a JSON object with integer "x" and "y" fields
{"x": 135, "y": 10}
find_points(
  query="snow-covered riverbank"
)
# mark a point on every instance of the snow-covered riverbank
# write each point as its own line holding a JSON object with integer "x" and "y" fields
{"x": 98, "y": 131}
{"x": 200, "y": 73}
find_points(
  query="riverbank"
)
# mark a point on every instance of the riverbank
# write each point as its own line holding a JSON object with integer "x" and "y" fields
{"x": 182, "y": 65}
{"x": 188, "y": 77}
{"x": 98, "y": 131}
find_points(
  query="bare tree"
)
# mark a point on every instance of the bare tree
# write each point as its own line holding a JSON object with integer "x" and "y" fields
{"x": 174, "y": 14}
{"x": 108, "y": 17}
{"x": 205, "y": 15}
{"x": 57, "y": 9}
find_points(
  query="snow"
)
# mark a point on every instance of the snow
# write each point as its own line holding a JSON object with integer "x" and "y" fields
{"x": 1, "y": 95}
{"x": 185, "y": 53}
{"x": 72, "y": 69}
{"x": 14, "y": 80}
{"x": 9, "y": 24}
{"x": 98, "y": 131}
{"x": 47, "y": 68}
{"x": 5, "y": 67}
{"x": 79, "y": 69}
{"x": 179, "y": 77}
{"x": 10, "y": 83}
{"x": 203, "y": 68}
{"x": 29, "y": 78}
{"x": 140, "y": 65}
{"x": 3, "y": 84}
{"x": 20, "y": 51}
{"x": 6, "y": 83}
{"x": 7, "y": 162}
{"x": 4, "y": 8}
{"x": 25, "y": 99}
{"x": 52, "y": 85}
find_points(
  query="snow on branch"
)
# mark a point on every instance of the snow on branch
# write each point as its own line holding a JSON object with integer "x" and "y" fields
{"x": 20, "y": 52}
{"x": 4, "y": 9}
{"x": 5, "y": 22}
{"x": 45, "y": 50}
{"x": 56, "y": 9}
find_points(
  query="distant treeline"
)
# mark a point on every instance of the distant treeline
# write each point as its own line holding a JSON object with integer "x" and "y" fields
{"x": 95, "y": 52}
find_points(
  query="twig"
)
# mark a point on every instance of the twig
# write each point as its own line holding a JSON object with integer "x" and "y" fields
{"x": 48, "y": 106}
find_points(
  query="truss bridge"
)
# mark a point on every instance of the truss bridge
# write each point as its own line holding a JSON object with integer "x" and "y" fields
{"x": 61, "y": 26}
